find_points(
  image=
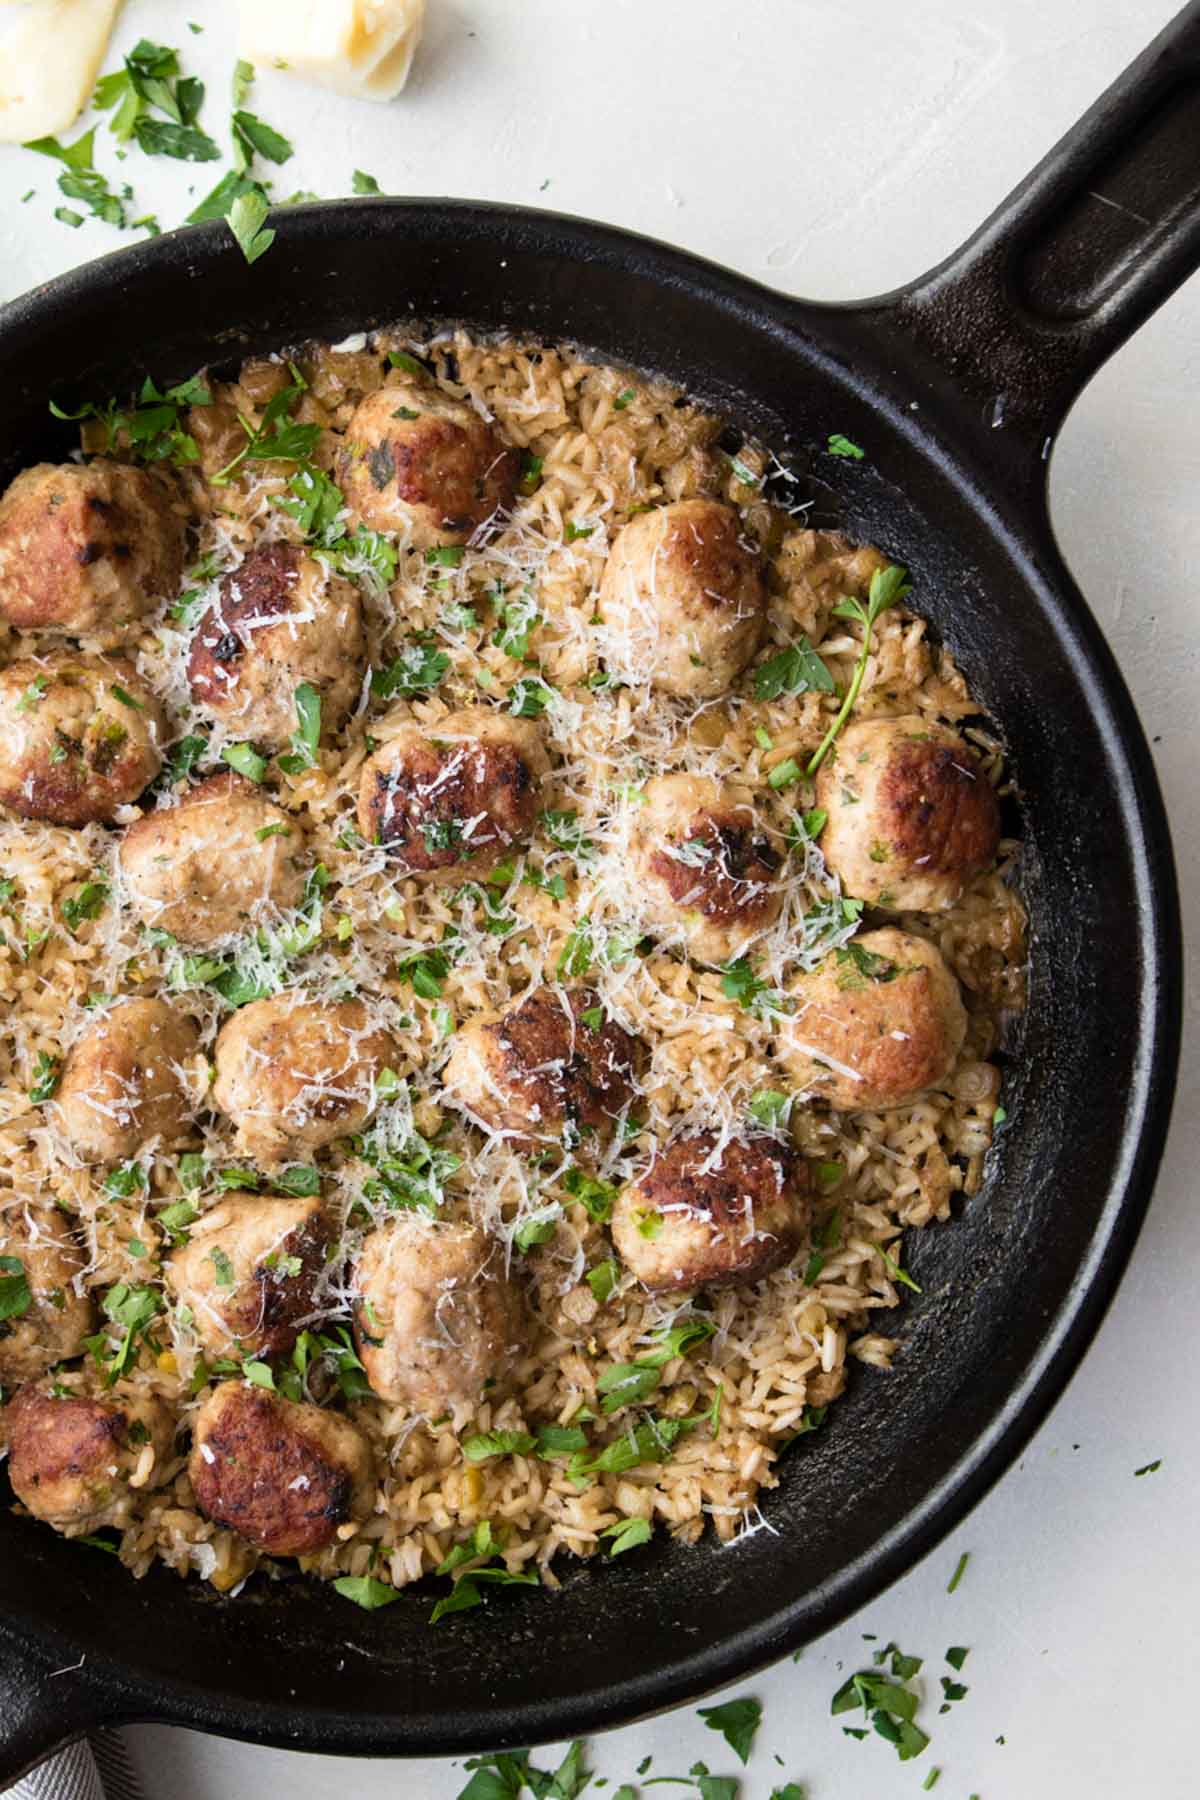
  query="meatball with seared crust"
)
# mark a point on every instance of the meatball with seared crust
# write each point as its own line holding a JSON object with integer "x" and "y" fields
{"x": 435, "y": 1316}
{"x": 294, "y": 1074}
{"x": 220, "y": 862}
{"x": 682, "y": 600}
{"x": 879, "y": 1022}
{"x": 708, "y": 1214}
{"x": 131, "y": 1080}
{"x": 911, "y": 816}
{"x": 707, "y": 866}
{"x": 249, "y": 1271}
{"x": 50, "y": 1323}
{"x": 448, "y": 805}
{"x": 87, "y": 550}
{"x": 418, "y": 462}
{"x": 552, "y": 1066}
{"x": 281, "y": 619}
{"x": 288, "y": 1477}
{"x": 76, "y": 1462}
{"x": 80, "y": 736}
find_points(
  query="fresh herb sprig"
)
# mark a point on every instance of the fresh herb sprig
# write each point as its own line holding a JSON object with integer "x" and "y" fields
{"x": 888, "y": 587}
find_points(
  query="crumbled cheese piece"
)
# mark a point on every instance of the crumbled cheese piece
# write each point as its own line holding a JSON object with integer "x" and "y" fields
{"x": 363, "y": 48}
{"x": 50, "y": 55}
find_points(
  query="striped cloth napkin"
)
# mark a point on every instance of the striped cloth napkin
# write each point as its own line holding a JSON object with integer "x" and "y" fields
{"x": 97, "y": 1768}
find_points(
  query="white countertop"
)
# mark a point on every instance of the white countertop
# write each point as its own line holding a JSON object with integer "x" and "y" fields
{"x": 836, "y": 151}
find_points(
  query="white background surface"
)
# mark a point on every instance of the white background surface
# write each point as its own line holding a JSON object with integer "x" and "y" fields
{"x": 836, "y": 151}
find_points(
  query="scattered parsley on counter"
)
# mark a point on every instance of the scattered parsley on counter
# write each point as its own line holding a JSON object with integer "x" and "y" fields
{"x": 737, "y": 1721}
{"x": 1149, "y": 1468}
{"x": 959, "y": 1571}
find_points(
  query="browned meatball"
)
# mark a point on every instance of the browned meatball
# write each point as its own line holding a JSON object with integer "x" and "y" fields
{"x": 548, "y": 1067}
{"x": 88, "y": 550}
{"x": 876, "y": 1024}
{"x": 281, "y": 619}
{"x": 450, "y": 807}
{"x": 709, "y": 868}
{"x": 416, "y": 461}
{"x": 249, "y": 1271}
{"x": 683, "y": 600}
{"x": 221, "y": 861}
{"x": 911, "y": 814}
{"x": 79, "y": 737}
{"x": 36, "y": 1244}
{"x": 435, "y": 1316}
{"x": 290, "y": 1478}
{"x": 707, "y": 1214}
{"x": 132, "y": 1079}
{"x": 76, "y": 1462}
{"x": 294, "y": 1074}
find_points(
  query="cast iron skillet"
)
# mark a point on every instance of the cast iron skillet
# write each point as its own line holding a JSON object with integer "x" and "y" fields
{"x": 956, "y": 386}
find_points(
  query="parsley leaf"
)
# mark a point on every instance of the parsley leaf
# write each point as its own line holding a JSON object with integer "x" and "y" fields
{"x": 88, "y": 903}
{"x": 16, "y": 1295}
{"x": 796, "y": 670}
{"x": 627, "y": 1534}
{"x": 487, "y": 1444}
{"x": 46, "y": 1070}
{"x": 247, "y": 216}
{"x": 737, "y": 1721}
{"x": 306, "y": 739}
{"x": 837, "y": 445}
{"x": 365, "y": 1591}
{"x": 416, "y": 670}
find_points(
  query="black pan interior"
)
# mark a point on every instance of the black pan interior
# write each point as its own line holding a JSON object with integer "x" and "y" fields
{"x": 1012, "y": 1290}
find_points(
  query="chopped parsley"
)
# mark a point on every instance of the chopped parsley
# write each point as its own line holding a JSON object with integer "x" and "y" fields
{"x": 627, "y": 1534}
{"x": 770, "y": 1109}
{"x": 222, "y": 1266}
{"x": 365, "y": 1591}
{"x": 253, "y": 137}
{"x": 837, "y": 445}
{"x": 603, "y": 1279}
{"x": 247, "y": 216}
{"x": 529, "y": 697}
{"x": 416, "y": 670}
{"x": 737, "y": 1721}
{"x": 306, "y": 739}
{"x": 1149, "y": 1468}
{"x": 595, "y": 1195}
{"x": 88, "y": 903}
{"x": 150, "y": 430}
{"x": 16, "y": 1295}
{"x": 46, "y": 1070}
{"x": 362, "y": 183}
{"x": 485, "y": 1445}
{"x": 890, "y": 1708}
{"x": 960, "y": 1569}
{"x": 578, "y": 953}
{"x": 466, "y": 1594}
{"x": 796, "y": 670}
{"x": 246, "y": 760}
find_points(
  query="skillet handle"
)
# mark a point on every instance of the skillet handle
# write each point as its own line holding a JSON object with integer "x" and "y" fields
{"x": 41, "y": 1712}
{"x": 1078, "y": 256}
